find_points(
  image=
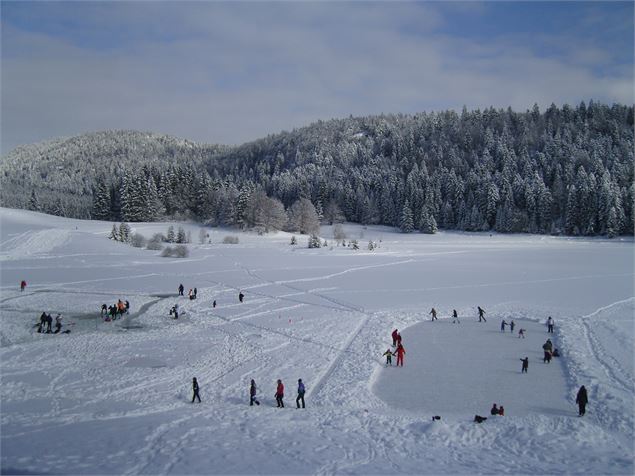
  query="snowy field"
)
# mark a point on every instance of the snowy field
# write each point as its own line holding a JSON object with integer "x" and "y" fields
{"x": 114, "y": 397}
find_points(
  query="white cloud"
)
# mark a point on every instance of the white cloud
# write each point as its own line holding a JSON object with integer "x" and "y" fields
{"x": 229, "y": 75}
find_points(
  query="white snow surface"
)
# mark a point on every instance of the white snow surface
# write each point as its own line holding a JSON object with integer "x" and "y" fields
{"x": 115, "y": 397}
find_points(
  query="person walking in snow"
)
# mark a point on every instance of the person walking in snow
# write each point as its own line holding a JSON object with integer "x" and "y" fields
{"x": 511, "y": 326}
{"x": 494, "y": 410}
{"x": 195, "y": 390}
{"x": 195, "y": 293}
{"x": 550, "y": 325}
{"x": 525, "y": 362}
{"x": 433, "y": 312}
{"x": 455, "y": 317}
{"x": 521, "y": 333}
{"x": 241, "y": 296}
{"x": 181, "y": 289}
{"x": 398, "y": 339}
{"x": 301, "y": 391}
{"x": 582, "y": 399}
{"x": 280, "y": 394}
{"x": 481, "y": 314}
{"x": 22, "y": 285}
{"x": 503, "y": 324}
{"x": 49, "y": 323}
{"x": 388, "y": 355}
{"x": 501, "y": 411}
{"x": 252, "y": 394}
{"x": 394, "y": 334}
{"x": 400, "y": 352}
{"x": 214, "y": 304}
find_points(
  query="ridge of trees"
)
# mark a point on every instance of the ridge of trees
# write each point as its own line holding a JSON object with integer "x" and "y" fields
{"x": 565, "y": 170}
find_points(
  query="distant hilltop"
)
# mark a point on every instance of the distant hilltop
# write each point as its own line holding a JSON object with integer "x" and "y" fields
{"x": 567, "y": 170}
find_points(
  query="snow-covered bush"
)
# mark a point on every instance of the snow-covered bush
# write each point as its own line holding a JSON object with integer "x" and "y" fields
{"x": 230, "y": 240}
{"x": 179, "y": 251}
{"x": 294, "y": 240}
{"x": 314, "y": 242}
{"x": 138, "y": 240}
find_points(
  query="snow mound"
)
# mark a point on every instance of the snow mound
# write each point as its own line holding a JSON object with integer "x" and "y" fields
{"x": 29, "y": 244}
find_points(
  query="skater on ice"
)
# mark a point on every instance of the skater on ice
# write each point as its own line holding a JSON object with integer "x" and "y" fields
{"x": 503, "y": 324}
{"x": 525, "y": 362}
{"x": 400, "y": 352}
{"x": 394, "y": 334}
{"x": 550, "y": 325}
{"x": 433, "y": 312}
{"x": 181, "y": 289}
{"x": 455, "y": 317}
{"x": 511, "y": 326}
{"x": 481, "y": 314}
{"x": 388, "y": 355}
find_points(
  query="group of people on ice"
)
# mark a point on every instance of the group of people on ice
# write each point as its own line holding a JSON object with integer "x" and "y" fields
{"x": 45, "y": 324}
{"x": 118, "y": 309}
{"x": 455, "y": 316}
{"x": 400, "y": 351}
{"x": 253, "y": 393}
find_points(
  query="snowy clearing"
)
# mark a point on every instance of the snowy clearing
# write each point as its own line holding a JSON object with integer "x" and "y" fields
{"x": 114, "y": 397}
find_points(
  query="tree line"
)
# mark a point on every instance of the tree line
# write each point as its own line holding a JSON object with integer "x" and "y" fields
{"x": 567, "y": 170}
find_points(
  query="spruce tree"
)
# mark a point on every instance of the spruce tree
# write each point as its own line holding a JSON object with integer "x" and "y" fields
{"x": 406, "y": 223}
{"x": 101, "y": 203}
{"x": 170, "y": 237}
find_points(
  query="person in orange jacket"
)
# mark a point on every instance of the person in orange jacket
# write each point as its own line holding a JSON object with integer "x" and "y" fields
{"x": 280, "y": 394}
{"x": 400, "y": 353}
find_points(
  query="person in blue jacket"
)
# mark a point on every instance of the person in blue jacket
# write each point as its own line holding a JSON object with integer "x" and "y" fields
{"x": 301, "y": 391}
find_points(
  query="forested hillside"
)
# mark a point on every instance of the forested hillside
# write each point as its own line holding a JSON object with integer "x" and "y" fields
{"x": 565, "y": 170}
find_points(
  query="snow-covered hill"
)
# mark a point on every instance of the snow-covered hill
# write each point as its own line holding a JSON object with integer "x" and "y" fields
{"x": 114, "y": 397}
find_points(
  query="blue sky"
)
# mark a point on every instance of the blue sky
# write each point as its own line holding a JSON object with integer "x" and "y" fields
{"x": 222, "y": 72}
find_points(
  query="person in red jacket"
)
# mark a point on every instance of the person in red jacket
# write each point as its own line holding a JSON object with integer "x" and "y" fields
{"x": 280, "y": 394}
{"x": 395, "y": 333}
{"x": 400, "y": 353}
{"x": 398, "y": 339}
{"x": 22, "y": 285}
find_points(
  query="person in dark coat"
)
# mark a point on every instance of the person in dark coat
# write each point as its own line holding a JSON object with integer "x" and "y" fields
{"x": 511, "y": 326}
{"x": 582, "y": 399}
{"x": 301, "y": 391}
{"x": 455, "y": 317}
{"x": 22, "y": 285}
{"x": 241, "y": 296}
{"x": 49, "y": 323}
{"x": 127, "y": 305}
{"x": 525, "y": 362}
{"x": 195, "y": 390}
{"x": 494, "y": 410}
{"x": 195, "y": 293}
{"x": 433, "y": 313}
{"x": 481, "y": 314}
{"x": 503, "y": 324}
{"x": 214, "y": 304}
{"x": 280, "y": 394}
{"x": 394, "y": 335}
{"x": 252, "y": 394}
{"x": 104, "y": 309}
{"x": 181, "y": 289}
